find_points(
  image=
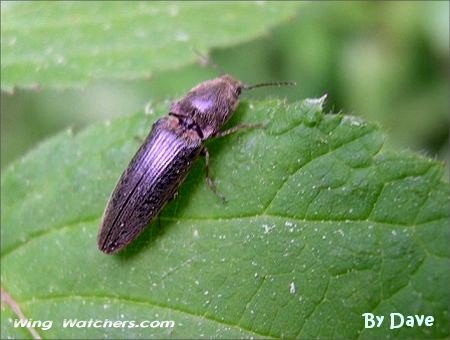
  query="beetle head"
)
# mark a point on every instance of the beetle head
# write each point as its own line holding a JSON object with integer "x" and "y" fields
{"x": 210, "y": 104}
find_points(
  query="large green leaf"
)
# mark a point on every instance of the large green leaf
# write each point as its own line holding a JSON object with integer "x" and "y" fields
{"x": 320, "y": 227}
{"x": 70, "y": 43}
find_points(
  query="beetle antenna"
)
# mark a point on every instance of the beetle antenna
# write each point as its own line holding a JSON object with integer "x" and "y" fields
{"x": 206, "y": 61}
{"x": 274, "y": 83}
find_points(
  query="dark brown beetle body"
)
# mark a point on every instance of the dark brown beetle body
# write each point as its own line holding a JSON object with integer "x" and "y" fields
{"x": 163, "y": 161}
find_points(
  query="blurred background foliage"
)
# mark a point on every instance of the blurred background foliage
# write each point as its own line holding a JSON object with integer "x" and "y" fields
{"x": 385, "y": 61}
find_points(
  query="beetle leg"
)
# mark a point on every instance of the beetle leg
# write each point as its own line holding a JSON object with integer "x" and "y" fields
{"x": 237, "y": 128}
{"x": 208, "y": 179}
{"x": 174, "y": 195}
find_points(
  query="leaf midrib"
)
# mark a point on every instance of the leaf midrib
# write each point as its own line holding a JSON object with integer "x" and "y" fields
{"x": 69, "y": 225}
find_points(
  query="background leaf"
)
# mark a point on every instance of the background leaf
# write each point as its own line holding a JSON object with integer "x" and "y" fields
{"x": 321, "y": 226}
{"x": 120, "y": 39}
{"x": 381, "y": 61}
